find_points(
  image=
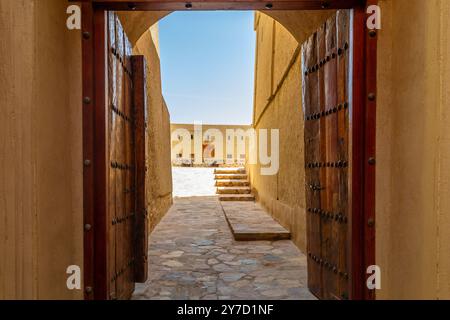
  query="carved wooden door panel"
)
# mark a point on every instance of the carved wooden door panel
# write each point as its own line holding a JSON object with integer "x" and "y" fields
{"x": 126, "y": 228}
{"x": 326, "y": 104}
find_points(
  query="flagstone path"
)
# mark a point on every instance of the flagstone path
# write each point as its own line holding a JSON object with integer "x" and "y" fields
{"x": 192, "y": 255}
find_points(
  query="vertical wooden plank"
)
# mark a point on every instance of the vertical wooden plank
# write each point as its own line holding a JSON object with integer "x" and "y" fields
{"x": 130, "y": 176}
{"x": 120, "y": 158}
{"x": 370, "y": 152}
{"x": 101, "y": 157}
{"x": 356, "y": 178}
{"x": 112, "y": 102}
{"x": 322, "y": 159}
{"x": 330, "y": 119}
{"x": 343, "y": 43}
{"x": 363, "y": 153}
{"x": 306, "y": 106}
{"x": 312, "y": 153}
{"x": 141, "y": 223}
{"x": 88, "y": 147}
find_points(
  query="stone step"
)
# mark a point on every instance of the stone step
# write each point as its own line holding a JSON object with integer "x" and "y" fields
{"x": 232, "y": 176}
{"x": 234, "y": 190}
{"x": 232, "y": 183}
{"x": 236, "y": 197}
{"x": 229, "y": 170}
{"x": 248, "y": 221}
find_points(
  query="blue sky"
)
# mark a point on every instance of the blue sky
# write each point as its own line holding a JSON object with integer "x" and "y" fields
{"x": 207, "y": 65}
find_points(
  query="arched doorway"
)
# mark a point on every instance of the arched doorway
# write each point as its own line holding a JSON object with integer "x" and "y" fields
{"x": 362, "y": 181}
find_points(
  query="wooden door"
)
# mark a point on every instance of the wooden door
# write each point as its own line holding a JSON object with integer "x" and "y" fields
{"x": 126, "y": 223}
{"x": 98, "y": 131}
{"x": 326, "y": 106}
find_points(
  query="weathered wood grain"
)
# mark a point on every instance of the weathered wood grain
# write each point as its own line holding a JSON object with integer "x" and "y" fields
{"x": 325, "y": 74}
{"x": 141, "y": 224}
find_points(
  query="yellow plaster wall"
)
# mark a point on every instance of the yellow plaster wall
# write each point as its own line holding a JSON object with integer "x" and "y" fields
{"x": 137, "y": 23}
{"x": 205, "y": 127}
{"x": 413, "y": 150}
{"x": 159, "y": 174}
{"x": 264, "y": 57}
{"x": 40, "y": 150}
{"x": 278, "y": 105}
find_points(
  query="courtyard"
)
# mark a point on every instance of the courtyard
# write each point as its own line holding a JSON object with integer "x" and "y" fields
{"x": 188, "y": 181}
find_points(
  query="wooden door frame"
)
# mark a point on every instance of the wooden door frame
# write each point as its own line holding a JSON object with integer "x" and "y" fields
{"x": 95, "y": 149}
{"x": 363, "y": 128}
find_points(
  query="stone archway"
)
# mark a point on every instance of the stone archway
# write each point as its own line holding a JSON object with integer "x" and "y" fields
{"x": 299, "y": 23}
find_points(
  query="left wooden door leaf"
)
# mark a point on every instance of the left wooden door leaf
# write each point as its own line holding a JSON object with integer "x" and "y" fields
{"x": 126, "y": 140}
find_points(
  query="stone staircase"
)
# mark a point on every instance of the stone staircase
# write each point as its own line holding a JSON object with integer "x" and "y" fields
{"x": 232, "y": 184}
{"x": 248, "y": 220}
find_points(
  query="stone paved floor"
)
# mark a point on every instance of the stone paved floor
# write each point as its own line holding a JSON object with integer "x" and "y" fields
{"x": 192, "y": 255}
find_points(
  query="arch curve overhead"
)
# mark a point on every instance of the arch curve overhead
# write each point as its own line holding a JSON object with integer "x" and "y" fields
{"x": 136, "y": 23}
{"x": 300, "y": 23}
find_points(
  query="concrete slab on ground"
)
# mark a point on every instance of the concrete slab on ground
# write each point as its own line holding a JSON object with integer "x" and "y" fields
{"x": 248, "y": 221}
